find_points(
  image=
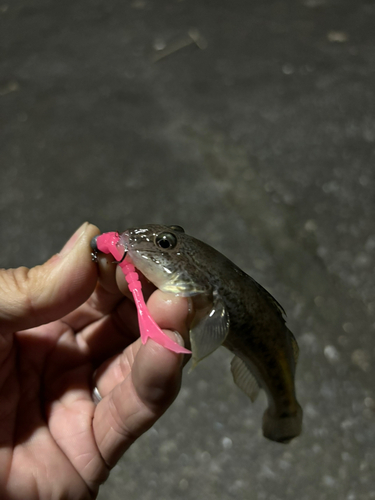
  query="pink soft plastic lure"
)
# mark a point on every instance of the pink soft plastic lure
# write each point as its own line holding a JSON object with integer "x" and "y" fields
{"x": 107, "y": 243}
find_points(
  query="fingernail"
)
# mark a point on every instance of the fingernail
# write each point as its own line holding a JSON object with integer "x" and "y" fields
{"x": 73, "y": 240}
{"x": 180, "y": 341}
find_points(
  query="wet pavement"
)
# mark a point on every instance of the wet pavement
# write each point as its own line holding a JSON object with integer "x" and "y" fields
{"x": 251, "y": 124}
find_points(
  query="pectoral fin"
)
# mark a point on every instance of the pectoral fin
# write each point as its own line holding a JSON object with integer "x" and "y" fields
{"x": 243, "y": 377}
{"x": 209, "y": 330}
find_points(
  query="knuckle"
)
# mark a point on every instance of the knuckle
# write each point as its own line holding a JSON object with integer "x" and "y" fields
{"x": 15, "y": 288}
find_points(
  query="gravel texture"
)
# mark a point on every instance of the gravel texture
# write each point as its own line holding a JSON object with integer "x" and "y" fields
{"x": 261, "y": 143}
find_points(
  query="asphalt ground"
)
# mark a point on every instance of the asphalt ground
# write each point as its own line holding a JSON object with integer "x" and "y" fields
{"x": 251, "y": 124}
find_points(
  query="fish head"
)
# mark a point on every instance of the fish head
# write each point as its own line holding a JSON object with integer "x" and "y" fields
{"x": 177, "y": 263}
{"x": 163, "y": 255}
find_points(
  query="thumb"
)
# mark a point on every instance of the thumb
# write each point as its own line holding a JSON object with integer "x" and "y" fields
{"x": 32, "y": 297}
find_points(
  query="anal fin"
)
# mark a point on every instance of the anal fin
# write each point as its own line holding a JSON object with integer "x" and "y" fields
{"x": 244, "y": 379}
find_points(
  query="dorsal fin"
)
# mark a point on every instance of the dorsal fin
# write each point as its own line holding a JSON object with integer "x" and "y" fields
{"x": 244, "y": 379}
{"x": 294, "y": 346}
{"x": 278, "y": 306}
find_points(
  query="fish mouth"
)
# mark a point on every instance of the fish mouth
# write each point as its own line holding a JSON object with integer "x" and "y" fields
{"x": 124, "y": 242}
{"x": 122, "y": 258}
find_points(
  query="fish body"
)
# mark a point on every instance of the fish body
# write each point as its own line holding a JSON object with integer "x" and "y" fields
{"x": 231, "y": 309}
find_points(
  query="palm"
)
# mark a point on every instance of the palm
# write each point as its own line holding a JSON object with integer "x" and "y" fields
{"x": 49, "y": 421}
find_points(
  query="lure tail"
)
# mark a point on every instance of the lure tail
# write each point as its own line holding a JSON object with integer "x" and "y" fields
{"x": 147, "y": 326}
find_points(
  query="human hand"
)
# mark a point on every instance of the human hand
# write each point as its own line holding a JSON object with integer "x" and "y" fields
{"x": 61, "y": 325}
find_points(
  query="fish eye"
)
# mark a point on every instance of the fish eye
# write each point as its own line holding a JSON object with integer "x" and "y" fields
{"x": 177, "y": 228}
{"x": 166, "y": 241}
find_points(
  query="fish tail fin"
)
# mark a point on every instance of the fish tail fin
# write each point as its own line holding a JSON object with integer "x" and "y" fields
{"x": 282, "y": 428}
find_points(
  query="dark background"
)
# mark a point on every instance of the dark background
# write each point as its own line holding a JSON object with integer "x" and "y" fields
{"x": 262, "y": 144}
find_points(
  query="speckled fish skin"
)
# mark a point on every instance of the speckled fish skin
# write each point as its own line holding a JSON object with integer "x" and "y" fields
{"x": 257, "y": 333}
